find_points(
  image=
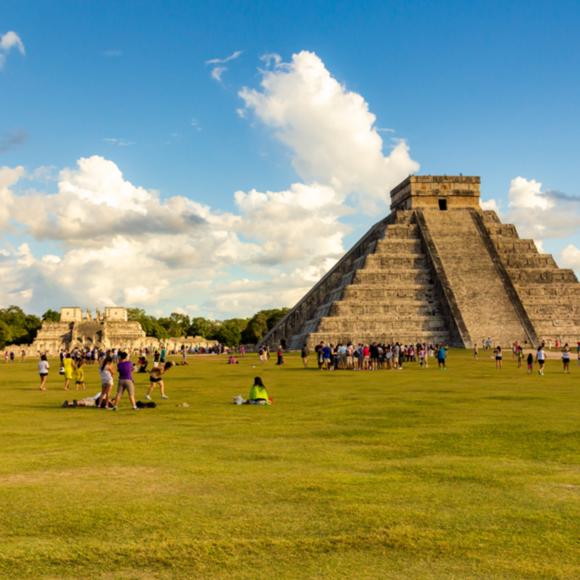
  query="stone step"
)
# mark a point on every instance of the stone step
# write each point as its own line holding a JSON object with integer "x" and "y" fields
{"x": 551, "y": 310}
{"x": 555, "y": 290}
{"x": 509, "y": 245}
{"x": 401, "y": 231}
{"x": 541, "y": 275}
{"x": 529, "y": 260}
{"x": 394, "y": 246}
{"x": 392, "y": 276}
{"x": 375, "y": 324}
{"x": 406, "y": 261}
{"x": 502, "y": 230}
{"x": 490, "y": 217}
{"x": 379, "y": 292}
{"x": 398, "y": 308}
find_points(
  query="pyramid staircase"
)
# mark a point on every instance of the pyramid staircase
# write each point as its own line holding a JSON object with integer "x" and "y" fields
{"x": 384, "y": 292}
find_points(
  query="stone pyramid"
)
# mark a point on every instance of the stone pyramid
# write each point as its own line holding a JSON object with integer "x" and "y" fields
{"x": 438, "y": 269}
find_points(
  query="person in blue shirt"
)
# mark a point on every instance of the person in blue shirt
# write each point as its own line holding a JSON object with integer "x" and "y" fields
{"x": 327, "y": 356}
{"x": 441, "y": 357}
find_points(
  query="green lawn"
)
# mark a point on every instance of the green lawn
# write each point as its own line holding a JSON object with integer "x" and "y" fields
{"x": 416, "y": 474}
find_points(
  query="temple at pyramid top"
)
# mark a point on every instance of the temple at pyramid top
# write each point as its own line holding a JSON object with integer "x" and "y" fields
{"x": 436, "y": 192}
{"x": 438, "y": 269}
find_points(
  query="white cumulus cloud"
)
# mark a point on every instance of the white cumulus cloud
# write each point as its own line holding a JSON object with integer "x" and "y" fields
{"x": 541, "y": 214}
{"x": 329, "y": 129}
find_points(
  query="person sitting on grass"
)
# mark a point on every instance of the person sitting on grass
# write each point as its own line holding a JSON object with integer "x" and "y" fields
{"x": 156, "y": 378}
{"x": 258, "y": 394}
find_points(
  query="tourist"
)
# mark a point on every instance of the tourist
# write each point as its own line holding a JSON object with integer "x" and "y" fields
{"x": 304, "y": 355}
{"x": 156, "y": 357}
{"x": 94, "y": 401}
{"x": 401, "y": 358}
{"x": 327, "y": 356}
{"x": 475, "y": 350}
{"x": 106, "y": 374}
{"x": 68, "y": 370}
{"x": 184, "y": 356}
{"x": 258, "y": 394}
{"x": 441, "y": 358}
{"x": 156, "y": 378}
{"x": 541, "y": 359}
{"x": 125, "y": 371}
{"x": 566, "y": 358}
{"x": 498, "y": 357}
{"x": 421, "y": 356}
{"x": 279, "y": 356}
{"x": 520, "y": 356}
{"x": 43, "y": 367}
{"x": 530, "y": 361}
{"x": 143, "y": 363}
{"x": 79, "y": 375}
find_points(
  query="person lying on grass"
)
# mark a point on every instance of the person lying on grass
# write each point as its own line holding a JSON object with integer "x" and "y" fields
{"x": 156, "y": 378}
{"x": 94, "y": 401}
{"x": 98, "y": 401}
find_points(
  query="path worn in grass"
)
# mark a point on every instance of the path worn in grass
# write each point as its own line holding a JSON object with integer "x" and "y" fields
{"x": 419, "y": 473}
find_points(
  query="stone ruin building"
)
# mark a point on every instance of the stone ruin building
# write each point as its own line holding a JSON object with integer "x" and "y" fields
{"x": 438, "y": 269}
{"x": 107, "y": 329}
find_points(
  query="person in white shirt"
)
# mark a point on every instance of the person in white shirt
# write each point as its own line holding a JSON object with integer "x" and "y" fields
{"x": 541, "y": 359}
{"x": 43, "y": 367}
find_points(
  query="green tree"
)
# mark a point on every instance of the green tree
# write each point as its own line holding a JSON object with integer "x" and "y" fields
{"x": 201, "y": 327}
{"x": 22, "y": 327}
{"x": 228, "y": 333}
{"x": 255, "y": 329}
{"x": 275, "y": 315}
{"x": 5, "y": 334}
{"x": 51, "y": 316}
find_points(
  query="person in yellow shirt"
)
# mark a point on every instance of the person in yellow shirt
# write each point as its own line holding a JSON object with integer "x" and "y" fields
{"x": 258, "y": 393}
{"x": 68, "y": 367}
{"x": 80, "y": 375}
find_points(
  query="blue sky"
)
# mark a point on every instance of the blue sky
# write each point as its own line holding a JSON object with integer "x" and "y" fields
{"x": 483, "y": 88}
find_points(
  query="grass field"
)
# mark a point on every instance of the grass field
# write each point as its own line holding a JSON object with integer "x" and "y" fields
{"x": 471, "y": 472}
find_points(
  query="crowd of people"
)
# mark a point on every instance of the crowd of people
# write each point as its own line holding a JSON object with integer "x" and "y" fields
{"x": 111, "y": 363}
{"x": 374, "y": 356}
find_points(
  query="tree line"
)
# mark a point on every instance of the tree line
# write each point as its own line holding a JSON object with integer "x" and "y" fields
{"x": 17, "y": 327}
